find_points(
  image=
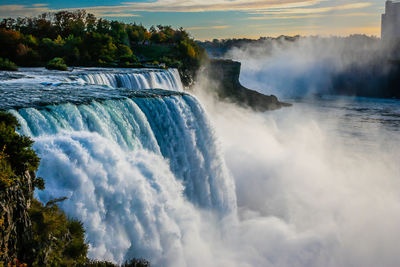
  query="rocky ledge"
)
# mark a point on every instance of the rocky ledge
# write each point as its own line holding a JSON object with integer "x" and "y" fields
{"x": 224, "y": 80}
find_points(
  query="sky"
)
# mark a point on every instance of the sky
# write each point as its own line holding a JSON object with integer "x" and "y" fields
{"x": 209, "y": 19}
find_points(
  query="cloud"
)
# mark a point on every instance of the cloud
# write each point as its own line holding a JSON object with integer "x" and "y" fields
{"x": 119, "y": 15}
{"x": 22, "y": 10}
{"x": 309, "y": 16}
{"x": 40, "y": 5}
{"x": 164, "y": 6}
{"x": 307, "y": 13}
{"x": 316, "y": 9}
{"x": 258, "y": 7}
{"x": 285, "y": 17}
{"x": 218, "y": 5}
{"x": 216, "y": 27}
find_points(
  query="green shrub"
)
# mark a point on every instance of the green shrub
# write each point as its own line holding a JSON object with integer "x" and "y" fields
{"x": 6, "y": 64}
{"x": 18, "y": 148}
{"x": 58, "y": 241}
{"x": 7, "y": 175}
{"x": 57, "y": 63}
{"x": 128, "y": 58}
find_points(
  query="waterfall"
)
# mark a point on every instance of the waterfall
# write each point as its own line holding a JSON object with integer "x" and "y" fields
{"x": 160, "y": 79}
{"x": 135, "y": 172}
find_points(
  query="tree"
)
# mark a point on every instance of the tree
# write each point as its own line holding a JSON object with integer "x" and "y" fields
{"x": 118, "y": 32}
{"x": 9, "y": 41}
{"x": 100, "y": 47}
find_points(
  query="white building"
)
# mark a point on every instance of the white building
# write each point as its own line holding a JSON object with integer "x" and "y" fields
{"x": 391, "y": 21}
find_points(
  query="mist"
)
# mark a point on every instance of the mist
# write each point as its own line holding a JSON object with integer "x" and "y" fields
{"x": 307, "y": 197}
{"x": 314, "y": 185}
{"x": 306, "y": 66}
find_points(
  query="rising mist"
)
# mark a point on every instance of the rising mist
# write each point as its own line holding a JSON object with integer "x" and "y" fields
{"x": 316, "y": 183}
{"x": 307, "y": 66}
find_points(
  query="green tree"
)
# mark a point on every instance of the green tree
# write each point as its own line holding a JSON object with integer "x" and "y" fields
{"x": 118, "y": 32}
{"x": 72, "y": 49}
{"x": 100, "y": 47}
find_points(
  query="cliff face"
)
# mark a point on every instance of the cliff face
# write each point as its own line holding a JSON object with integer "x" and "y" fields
{"x": 225, "y": 74}
{"x": 16, "y": 227}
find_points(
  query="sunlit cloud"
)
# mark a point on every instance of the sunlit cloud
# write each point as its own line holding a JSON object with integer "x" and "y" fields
{"x": 215, "y": 27}
{"x": 218, "y": 5}
{"x": 324, "y": 31}
{"x": 40, "y": 5}
{"x": 166, "y": 6}
{"x": 310, "y": 16}
{"x": 258, "y": 7}
{"x": 23, "y": 10}
{"x": 315, "y": 9}
{"x": 285, "y": 17}
{"x": 119, "y": 15}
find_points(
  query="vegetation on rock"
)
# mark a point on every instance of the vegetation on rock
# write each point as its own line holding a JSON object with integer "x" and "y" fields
{"x": 6, "y": 64}
{"x": 57, "y": 63}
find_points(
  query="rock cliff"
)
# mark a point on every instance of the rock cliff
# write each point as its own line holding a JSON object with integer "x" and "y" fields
{"x": 224, "y": 77}
{"x": 16, "y": 226}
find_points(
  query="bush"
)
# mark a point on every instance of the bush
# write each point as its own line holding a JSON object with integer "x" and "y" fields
{"x": 129, "y": 59}
{"x": 57, "y": 63}
{"x": 21, "y": 156}
{"x": 7, "y": 175}
{"x": 58, "y": 241}
{"x": 6, "y": 64}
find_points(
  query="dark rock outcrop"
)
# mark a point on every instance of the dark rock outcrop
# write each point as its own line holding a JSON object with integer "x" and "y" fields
{"x": 224, "y": 74}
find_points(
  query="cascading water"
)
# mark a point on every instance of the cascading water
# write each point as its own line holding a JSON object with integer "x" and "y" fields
{"x": 143, "y": 173}
{"x": 136, "y": 171}
{"x": 163, "y": 79}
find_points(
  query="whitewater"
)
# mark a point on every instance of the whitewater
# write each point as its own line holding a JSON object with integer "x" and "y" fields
{"x": 183, "y": 180}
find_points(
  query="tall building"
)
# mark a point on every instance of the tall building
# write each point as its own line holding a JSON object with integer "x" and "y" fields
{"x": 391, "y": 21}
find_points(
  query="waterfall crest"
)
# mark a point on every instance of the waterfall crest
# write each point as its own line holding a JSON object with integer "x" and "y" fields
{"x": 161, "y": 79}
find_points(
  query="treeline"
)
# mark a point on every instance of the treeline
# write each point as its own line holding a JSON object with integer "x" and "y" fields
{"x": 32, "y": 233}
{"x": 219, "y": 47}
{"x": 81, "y": 39}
